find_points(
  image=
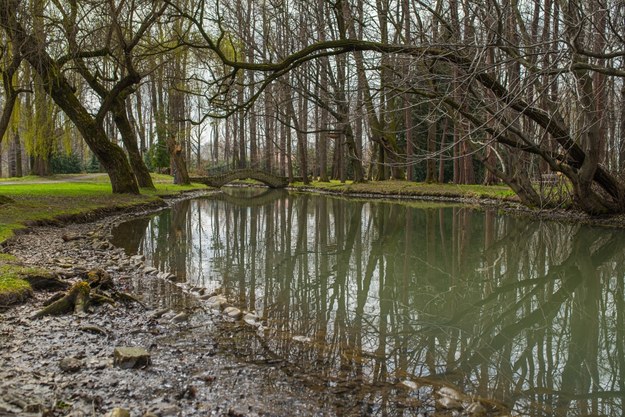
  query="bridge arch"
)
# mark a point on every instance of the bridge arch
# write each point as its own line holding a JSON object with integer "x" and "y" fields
{"x": 267, "y": 178}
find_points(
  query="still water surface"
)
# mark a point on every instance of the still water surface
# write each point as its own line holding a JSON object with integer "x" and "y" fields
{"x": 528, "y": 314}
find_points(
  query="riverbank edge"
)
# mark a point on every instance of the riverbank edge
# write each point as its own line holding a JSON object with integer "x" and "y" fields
{"x": 506, "y": 205}
{"x": 19, "y": 291}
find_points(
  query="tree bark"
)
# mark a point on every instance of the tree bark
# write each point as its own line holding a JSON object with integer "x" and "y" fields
{"x": 130, "y": 141}
{"x": 181, "y": 175}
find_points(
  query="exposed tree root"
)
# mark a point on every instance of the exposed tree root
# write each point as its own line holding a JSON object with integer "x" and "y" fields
{"x": 83, "y": 294}
{"x": 75, "y": 300}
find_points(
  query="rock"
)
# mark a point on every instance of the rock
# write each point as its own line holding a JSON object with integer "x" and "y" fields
{"x": 68, "y": 237}
{"x": 150, "y": 270}
{"x": 217, "y": 302}
{"x": 164, "y": 409}
{"x": 34, "y": 408}
{"x": 207, "y": 377}
{"x": 159, "y": 313}
{"x": 118, "y": 412}
{"x": 137, "y": 258}
{"x": 411, "y": 385}
{"x": 70, "y": 364}
{"x": 131, "y": 357}
{"x": 449, "y": 403}
{"x": 251, "y": 319}
{"x": 476, "y": 409}
{"x": 179, "y": 318}
{"x": 451, "y": 393}
{"x": 302, "y": 339}
{"x": 233, "y": 313}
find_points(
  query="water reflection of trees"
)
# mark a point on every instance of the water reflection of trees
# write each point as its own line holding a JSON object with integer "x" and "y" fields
{"x": 527, "y": 313}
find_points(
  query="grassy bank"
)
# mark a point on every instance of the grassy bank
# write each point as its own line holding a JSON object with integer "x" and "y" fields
{"x": 33, "y": 200}
{"x": 412, "y": 189}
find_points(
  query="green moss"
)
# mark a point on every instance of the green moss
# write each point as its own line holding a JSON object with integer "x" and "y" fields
{"x": 5, "y": 257}
{"x": 13, "y": 289}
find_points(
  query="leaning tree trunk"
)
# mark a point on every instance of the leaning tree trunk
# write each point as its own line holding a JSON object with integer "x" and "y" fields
{"x": 130, "y": 141}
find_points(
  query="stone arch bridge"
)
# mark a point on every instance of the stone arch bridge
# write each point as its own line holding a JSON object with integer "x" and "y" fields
{"x": 267, "y": 178}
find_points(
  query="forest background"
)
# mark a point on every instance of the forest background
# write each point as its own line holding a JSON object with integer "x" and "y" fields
{"x": 525, "y": 92}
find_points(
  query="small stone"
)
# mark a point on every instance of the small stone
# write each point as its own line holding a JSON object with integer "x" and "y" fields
{"x": 476, "y": 409}
{"x": 164, "y": 409}
{"x": 118, "y": 412}
{"x": 451, "y": 393}
{"x": 233, "y": 313}
{"x": 159, "y": 313}
{"x": 302, "y": 339}
{"x": 251, "y": 319}
{"x": 34, "y": 408}
{"x": 206, "y": 377}
{"x": 150, "y": 270}
{"x": 217, "y": 302}
{"x": 137, "y": 258}
{"x": 68, "y": 237}
{"x": 70, "y": 364}
{"x": 131, "y": 357}
{"x": 449, "y": 403}
{"x": 411, "y": 385}
{"x": 179, "y": 318}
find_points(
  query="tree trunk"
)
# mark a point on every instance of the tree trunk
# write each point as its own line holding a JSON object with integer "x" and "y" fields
{"x": 17, "y": 154}
{"x": 181, "y": 175}
{"x": 130, "y": 141}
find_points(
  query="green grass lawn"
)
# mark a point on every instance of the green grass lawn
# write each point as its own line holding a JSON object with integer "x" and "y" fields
{"x": 33, "y": 199}
{"x": 407, "y": 188}
{"x": 50, "y": 200}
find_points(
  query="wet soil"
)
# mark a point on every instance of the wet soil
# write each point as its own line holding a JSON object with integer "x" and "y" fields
{"x": 193, "y": 369}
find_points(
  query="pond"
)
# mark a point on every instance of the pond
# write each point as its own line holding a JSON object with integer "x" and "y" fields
{"x": 528, "y": 316}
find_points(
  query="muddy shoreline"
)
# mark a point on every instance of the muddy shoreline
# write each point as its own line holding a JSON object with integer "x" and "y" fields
{"x": 191, "y": 372}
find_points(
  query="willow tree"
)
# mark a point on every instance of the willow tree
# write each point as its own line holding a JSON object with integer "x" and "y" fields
{"x": 56, "y": 84}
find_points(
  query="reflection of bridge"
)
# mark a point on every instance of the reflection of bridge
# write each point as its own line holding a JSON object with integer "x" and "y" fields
{"x": 251, "y": 200}
{"x": 269, "y": 179}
